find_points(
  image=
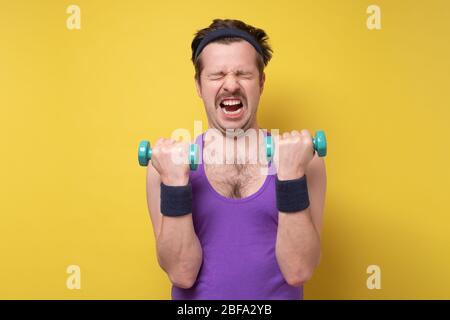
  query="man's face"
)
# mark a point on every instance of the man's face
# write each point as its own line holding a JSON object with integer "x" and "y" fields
{"x": 230, "y": 85}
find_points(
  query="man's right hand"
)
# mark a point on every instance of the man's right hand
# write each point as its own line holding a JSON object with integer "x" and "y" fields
{"x": 169, "y": 158}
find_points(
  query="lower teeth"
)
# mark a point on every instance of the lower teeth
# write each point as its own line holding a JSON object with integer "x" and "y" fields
{"x": 231, "y": 112}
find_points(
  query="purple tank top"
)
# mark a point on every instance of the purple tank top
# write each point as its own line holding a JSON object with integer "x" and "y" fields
{"x": 238, "y": 241}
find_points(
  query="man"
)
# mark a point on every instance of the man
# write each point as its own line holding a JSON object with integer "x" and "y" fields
{"x": 233, "y": 230}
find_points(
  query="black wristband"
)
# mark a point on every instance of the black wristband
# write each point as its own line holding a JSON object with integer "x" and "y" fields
{"x": 176, "y": 200}
{"x": 292, "y": 195}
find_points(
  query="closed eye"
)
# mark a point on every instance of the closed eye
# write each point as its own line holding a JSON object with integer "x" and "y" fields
{"x": 220, "y": 75}
{"x": 216, "y": 76}
{"x": 245, "y": 75}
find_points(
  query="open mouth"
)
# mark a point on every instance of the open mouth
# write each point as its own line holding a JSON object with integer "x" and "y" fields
{"x": 231, "y": 106}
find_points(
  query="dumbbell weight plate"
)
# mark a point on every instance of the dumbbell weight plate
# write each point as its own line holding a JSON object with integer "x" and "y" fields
{"x": 320, "y": 143}
{"x": 193, "y": 156}
{"x": 144, "y": 153}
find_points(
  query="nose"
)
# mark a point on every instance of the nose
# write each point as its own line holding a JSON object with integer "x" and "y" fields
{"x": 231, "y": 83}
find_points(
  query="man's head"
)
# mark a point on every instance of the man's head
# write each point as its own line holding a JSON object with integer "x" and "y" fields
{"x": 229, "y": 73}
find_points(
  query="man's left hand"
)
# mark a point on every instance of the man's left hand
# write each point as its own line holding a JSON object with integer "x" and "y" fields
{"x": 293, "y": 152}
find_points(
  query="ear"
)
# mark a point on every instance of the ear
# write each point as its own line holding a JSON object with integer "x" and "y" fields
{"x": 198, "y": 86}
{"x": 261, "y": 81}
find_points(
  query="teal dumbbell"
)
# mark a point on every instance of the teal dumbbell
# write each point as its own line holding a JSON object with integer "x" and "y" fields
{"x": 145, "y": 154}
{"x": 319, "y": 142}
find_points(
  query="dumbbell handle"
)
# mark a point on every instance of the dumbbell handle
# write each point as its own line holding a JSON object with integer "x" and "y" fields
{"x": 145, "y": 154}
{"x": 319, "y": 143}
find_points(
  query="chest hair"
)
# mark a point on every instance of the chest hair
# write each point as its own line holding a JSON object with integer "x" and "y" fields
{"x": 235, "y": 181}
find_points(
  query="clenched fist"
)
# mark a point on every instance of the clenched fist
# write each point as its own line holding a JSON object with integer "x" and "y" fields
{"x": 169, "y": 158}
{"x": 293, "y": 152}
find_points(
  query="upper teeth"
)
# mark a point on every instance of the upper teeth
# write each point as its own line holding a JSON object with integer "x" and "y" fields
{"x": 231, "y": 102}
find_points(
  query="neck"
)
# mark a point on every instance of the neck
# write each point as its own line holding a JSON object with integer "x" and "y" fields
{"x": 236, "y": 146}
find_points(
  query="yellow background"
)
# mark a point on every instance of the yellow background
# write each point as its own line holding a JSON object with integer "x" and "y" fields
{"x": 75, "y": 103}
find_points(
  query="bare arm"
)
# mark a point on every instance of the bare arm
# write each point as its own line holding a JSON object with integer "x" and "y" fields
{"x": 298, "y": 240}
{"x": 178, "y": 247}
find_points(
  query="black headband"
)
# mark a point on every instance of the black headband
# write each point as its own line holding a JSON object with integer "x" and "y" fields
{"x": 227, "y": 33}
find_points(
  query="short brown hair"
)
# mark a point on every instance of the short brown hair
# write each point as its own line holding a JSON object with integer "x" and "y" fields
{"x": 259, "y": 35}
